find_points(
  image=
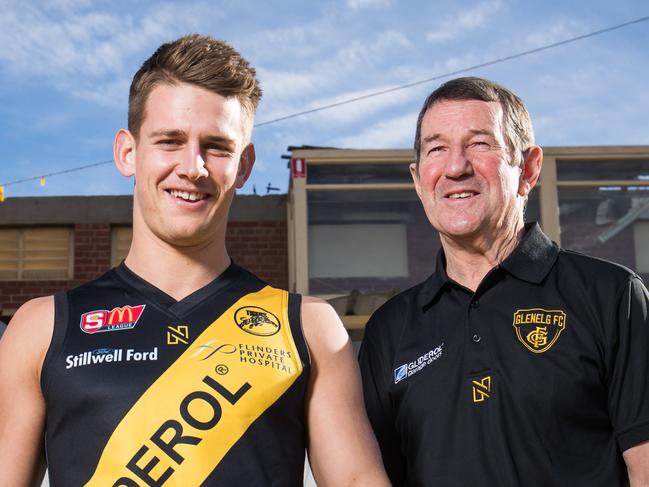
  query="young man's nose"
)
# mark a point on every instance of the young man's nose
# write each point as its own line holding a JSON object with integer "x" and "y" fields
{"x": 191, "y": 164}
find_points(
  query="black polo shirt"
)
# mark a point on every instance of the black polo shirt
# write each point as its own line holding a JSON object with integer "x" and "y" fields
{"x": 539, "y": 378}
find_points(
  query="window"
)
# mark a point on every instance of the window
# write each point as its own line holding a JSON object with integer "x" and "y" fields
{"x": 371, "y": 250}
{"x": 606, "y": 214}
{"x": 121, "y": 243}
{"x": 35, "y": 253}
{"x": 369, "y": 241}
{"x": 641, "y": 237}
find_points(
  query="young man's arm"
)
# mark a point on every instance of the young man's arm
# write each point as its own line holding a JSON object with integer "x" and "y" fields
{"x": 22, "y": 408}
{"x": 342, "y": 448}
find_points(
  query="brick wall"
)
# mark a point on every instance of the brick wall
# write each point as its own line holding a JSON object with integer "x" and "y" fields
{"x": 91, "y": 258}
{"x": 260, "y": 247}
{"x": 91, "y": 251}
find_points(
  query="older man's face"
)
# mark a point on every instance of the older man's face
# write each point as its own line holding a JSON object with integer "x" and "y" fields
{"x": 466, "y": 180}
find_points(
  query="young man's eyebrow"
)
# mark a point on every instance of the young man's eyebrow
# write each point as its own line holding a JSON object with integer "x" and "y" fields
{"x": 168, "y": 133}
{"x": 219, "y": 139}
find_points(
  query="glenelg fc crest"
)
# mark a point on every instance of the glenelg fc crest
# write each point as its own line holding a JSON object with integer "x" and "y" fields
{"x": 538, "y": 329}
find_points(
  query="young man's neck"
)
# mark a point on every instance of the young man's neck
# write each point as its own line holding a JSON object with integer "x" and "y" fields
{"x": 178, "y": 271}
{"x": 469, "y": 261}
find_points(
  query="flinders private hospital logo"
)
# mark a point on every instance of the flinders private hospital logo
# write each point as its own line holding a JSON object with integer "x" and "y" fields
{"x": 120, "y": 318}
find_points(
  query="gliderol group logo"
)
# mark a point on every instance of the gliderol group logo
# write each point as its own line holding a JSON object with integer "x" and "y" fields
{"x": 256, "y": 321}
{"x": 400, "y": 373}
{"x": 411, "y": 368}
{"x": 120, "y": 318}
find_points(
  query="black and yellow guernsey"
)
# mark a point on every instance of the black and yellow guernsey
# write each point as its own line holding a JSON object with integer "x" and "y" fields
{"x": 144, "y": 390}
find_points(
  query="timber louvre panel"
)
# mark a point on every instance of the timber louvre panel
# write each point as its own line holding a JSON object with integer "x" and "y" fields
{"x": 36, "y": 253}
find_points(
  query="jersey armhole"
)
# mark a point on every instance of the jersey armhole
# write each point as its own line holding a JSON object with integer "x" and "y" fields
{"x": 295, "y": 320}
{"x": 61, "y": 315}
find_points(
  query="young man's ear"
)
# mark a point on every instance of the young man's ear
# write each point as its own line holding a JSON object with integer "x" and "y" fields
{"x": 245, "y": 165}
{"x": 124, "y": 152}
{"x": 531, "y": 170}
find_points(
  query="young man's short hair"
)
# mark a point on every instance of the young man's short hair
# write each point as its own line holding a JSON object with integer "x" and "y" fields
{"x": 197, "y": 60}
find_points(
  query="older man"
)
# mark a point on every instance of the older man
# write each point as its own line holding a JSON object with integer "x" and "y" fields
{"x": 517, "y": 362}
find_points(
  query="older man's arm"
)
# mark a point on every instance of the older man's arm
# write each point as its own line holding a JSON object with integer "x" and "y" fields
{"x": 637, "y": 464}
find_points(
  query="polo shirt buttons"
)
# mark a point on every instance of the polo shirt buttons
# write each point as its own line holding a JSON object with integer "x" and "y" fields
{"x": 475, "y": 304}
{"x": 476, "y": 338}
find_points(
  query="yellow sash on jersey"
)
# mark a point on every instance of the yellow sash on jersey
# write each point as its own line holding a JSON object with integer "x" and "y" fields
{"x": 184, "y": 424}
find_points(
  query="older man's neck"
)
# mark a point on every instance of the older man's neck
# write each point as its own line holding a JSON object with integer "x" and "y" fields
{"x": 468, "y": 261}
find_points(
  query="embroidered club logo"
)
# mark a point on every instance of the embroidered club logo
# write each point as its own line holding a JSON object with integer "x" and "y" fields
{"x": 538, "y": 329}
{"x": 177, "y": 334}
{"x": 120, "y": 318}
{"x": 481, "y": 389}
{"x": 256, "y": 321}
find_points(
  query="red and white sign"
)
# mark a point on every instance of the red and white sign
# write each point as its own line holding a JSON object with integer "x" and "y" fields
{"x": 120, "y": 318}
{"x": 298, "y": 168}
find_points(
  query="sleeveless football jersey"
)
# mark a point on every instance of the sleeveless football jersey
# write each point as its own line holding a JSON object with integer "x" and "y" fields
{"x": 144, "y": 390}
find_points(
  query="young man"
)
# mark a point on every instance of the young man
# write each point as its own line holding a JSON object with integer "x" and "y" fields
{"x": 179, "y": 367}
{"x": 517, "y": 362}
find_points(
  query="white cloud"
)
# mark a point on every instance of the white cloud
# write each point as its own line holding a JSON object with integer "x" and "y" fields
{"x": 362, "y": 4}
{"x": 66, "y": 5}
{"x": 347, "y": 113}
{"x": 554, "y": 32}
{"x": 112, "y": 93}
{"x": 391, "y": 133}
{"x": 292, "y": 90}
{"x": 85, "y": 52}
{"x": 287, "y": 84}
{"x": 454, "y": 26}
{"x": 359, "y": 55}
{"x": 52, "y": 122}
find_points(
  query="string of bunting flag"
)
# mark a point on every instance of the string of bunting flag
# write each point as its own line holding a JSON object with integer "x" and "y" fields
{"x": 43, "y": 177}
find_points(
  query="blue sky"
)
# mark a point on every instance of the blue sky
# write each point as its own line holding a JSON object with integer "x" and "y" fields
{"x": 65, "y": 68}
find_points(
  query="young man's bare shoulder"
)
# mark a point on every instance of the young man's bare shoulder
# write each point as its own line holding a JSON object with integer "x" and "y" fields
{"x": 321, "y": 325}
{"x": 34, "y": 309}
{"x": 29, "y": 332}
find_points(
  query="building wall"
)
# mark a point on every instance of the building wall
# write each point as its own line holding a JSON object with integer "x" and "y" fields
{"x": 262, "y": 248}
{"x": 91, "y": 258}
{"x": 256, "y": 238}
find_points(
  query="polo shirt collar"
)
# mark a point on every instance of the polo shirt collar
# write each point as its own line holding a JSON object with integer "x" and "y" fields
{"x": 534, "y": 257}
{"x": 434, "y": 284}
{"x": 531, "y": 261}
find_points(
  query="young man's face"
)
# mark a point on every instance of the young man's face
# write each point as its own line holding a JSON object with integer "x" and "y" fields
{"x": 191, "y": 154}
{"x": 467, "y": 183}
